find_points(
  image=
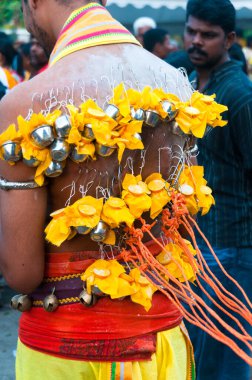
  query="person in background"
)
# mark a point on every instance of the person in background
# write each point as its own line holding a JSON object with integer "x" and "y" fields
{"x": 236, "y": 53}
{"x": 180, "y": 59}
{"x": 8, "y": 76}
{"x": 39, "y": 58}
{"x": 25, "y": 53}
{"x": 141, "y": 25}
{"x": 157, "y": 41}
{"x": 247, "y": 50}
{"x": 3, "y": 90}
{"x": 226, "y": 156}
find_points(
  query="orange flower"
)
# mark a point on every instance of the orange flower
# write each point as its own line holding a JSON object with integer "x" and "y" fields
{"x": 200, "y": 111}
{"x": 136, "y": 195}
{"x": 109, "y": 276}
{"x": 115, "y": 212}
{"x": 85, "y": 212}
{"x": 144, "y": 289}
{"x": 160, "y": 195}
{"x": 176, "y": 262}
{"x": 193, "y": 186}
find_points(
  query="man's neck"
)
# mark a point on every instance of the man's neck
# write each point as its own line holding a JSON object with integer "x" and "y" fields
{"x": 64, "y": 13}
{"x": 204, "y": 74}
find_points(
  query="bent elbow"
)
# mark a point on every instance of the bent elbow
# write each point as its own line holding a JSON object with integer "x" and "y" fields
{"x": 24, "y": 283}
{"x": 24, "y": 286}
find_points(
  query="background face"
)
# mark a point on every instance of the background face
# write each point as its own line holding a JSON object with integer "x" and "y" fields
{"x": 204, "y": 42}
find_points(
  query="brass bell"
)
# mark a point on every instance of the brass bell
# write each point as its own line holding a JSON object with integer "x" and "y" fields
{"x": 32, "y": 162}
{"x": 11, "y": 151}
{"x": 151, "y": 118}
{"x": 112, "y": 111}
{"x": 87, "y": 299}
{"x": 88, "y": 132}
{"x": 100, "y": 232}
{"x": 137, "y": 136}
{"x": 55, "y": 169}
{"x": 104, "y": 150}
{"x": 62, "y": 126}
{"x": 14, "y": 301}
{"x": 42, "y": 136}
{"x": 97, "y": 292}
{"x": 59, "y": 150}
{"x": 51, "y": 302}
{"x": 176, "y": 130}
{"x": 83, "y": 230}
{"x": 170, "y": 109}
{"x": 23, "y": 303}
{"x": 137, "y": 114}
{"x": 78, "y": 157}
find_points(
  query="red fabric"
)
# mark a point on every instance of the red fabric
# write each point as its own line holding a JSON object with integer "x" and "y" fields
{"x": 42, "y": 69}
{"x": 61, "y": 264}
{"x": 99, "y": 332}
{"x": 107, "y": 320}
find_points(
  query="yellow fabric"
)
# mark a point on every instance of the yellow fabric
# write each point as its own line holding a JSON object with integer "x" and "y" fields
{"x": 171, "y": 361}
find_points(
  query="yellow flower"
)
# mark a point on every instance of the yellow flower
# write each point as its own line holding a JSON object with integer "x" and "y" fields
{"x": 29, "y": 149}
{"x": 135, "y": 195}
{"x": 86, "y": 148}
{"x": 110, "y": 238}
{"x": 85, "y": 212}
{"x": 173, "y": 258}
{"x": 159, "y": 193}
{"x": 121, "y": 100}
{"x": 89, "y": 114}
{"x": 187, "y": 186}
{"x": 75, "y": 136}
{"x": 36, "y": 120}
{"x": 109, "y": 276}
{"x": 144, "y": 289}
{"x": 45, "y": 158}
{"x": 213, "y": 110}
{"x": 115, "y": 212}
{"x": 128, "y": 137}
{"x": 149, "y": 99}
{"x": 200, "y": 111}
{"x": 193, "y": 186}
{"x": 173, "y": 99}
{"x": 204, "y": 197}
{"x": 58, "y": 230}
{"x": 134, "y": 97}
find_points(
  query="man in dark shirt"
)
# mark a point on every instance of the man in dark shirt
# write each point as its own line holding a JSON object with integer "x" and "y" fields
{"x": 2, "y": 90}
{"x": 157, "y": 41}
{"x": 226, "y": 154}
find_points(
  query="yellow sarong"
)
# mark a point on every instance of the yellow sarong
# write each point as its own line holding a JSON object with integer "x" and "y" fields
{"x": 172, "y": 361}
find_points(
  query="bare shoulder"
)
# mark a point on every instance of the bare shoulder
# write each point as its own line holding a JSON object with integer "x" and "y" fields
{"x": 166, "y": 76}
{"x": 15, "y": 103}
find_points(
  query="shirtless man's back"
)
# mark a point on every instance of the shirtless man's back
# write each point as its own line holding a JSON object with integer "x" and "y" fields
{"x": 91, "y": 73}
{"x": 87, "y": 73}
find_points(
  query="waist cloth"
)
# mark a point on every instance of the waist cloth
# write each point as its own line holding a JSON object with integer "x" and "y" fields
{"x": 108, "y": 331}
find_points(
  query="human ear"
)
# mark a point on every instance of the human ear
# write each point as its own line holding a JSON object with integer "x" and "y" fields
{"x": 230, "y": 39}
{"x": 33, "y": 4}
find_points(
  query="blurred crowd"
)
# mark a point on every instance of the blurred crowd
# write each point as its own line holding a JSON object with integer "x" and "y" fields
{"x": 159, "y": 42}
{"x": 21, "y": 61}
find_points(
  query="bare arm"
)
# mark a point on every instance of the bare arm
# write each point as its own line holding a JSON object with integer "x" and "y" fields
{"x": 22, "y": 217}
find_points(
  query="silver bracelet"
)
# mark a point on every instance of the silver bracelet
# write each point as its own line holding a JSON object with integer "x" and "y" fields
{"x": 9, "y": 185}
